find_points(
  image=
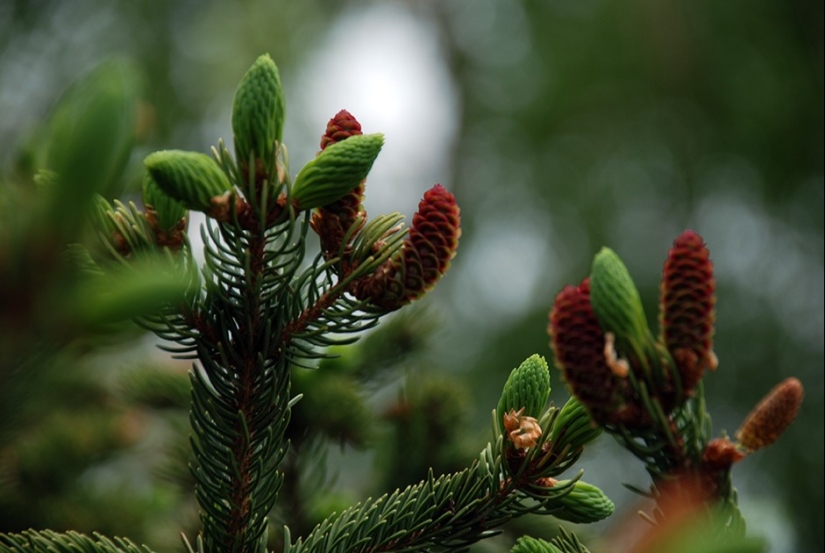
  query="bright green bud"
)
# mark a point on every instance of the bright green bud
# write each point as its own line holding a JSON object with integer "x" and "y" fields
{"x": 258, "y": 113}
{"x": 168, "y": 211}
{"x": 338, "y": 169}
{"x": 526, "y": 544}
{"x": 527, "y": 387}
{"x": 191, "y": 178}
{"x": 574, "y": 426}
{"x": 617, "y": 304}
{"x": 584, "y": 504}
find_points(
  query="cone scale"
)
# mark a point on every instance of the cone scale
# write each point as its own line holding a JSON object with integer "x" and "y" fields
{"x": 424, "y": 257}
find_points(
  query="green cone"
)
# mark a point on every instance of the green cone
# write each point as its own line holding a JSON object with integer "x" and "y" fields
{"x": 584, "y": 504}
{"x": 528, "y": 386}
{"x": 337, "y": 170}
{"x": 191, "y": 178}
{"x": 258, "y": 113}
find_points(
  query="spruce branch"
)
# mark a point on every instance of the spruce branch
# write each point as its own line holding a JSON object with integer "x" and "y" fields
{"x": 512, "y": 477}
{"x": 448, "y": 512}
{"x": 47, "y": 541}
{"x": 258, "y": 309}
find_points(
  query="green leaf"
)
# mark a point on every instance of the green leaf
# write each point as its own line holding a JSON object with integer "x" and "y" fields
{"x": 337, "y": 170}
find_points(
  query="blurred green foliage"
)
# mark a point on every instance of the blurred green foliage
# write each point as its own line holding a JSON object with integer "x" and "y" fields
{"x": 578, "y": 124}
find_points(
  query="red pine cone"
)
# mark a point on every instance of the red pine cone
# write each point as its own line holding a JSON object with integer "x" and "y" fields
{"x": 687, "y": 308}
{"x": 333, "y": 221}
{"x": 423, "y": 258}
{"x": 579, "y": 346}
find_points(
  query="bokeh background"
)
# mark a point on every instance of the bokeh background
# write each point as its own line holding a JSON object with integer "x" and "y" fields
{"x": 561, "y": 126}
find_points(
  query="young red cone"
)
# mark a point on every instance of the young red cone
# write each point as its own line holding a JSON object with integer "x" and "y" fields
{"x": 579, "y": 346}
{"x": 687, "y": 308}
{"x": 424, "y": 257}
{"x": 332, "y": 222}
{"x": 340, "y": 127}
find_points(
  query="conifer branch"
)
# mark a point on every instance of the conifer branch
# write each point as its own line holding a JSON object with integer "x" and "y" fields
{"x": 452, "y": 511}
{"x": 47, "y": 541}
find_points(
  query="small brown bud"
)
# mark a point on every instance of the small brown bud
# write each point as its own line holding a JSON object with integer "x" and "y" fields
{"x": 522, "y": 431}
{"x": 720, "y": 454}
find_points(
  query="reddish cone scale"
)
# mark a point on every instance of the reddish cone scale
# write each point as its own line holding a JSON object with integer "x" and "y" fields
{"x": 579, "y": 344}
{"x": 424, "y": 257}
{"x": 687, "y": 308}
{"x": 340, "y": 127}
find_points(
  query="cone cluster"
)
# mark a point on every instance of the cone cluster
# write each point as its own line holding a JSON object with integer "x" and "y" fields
{"x": 634, "y": 384}
{"x": 599, "y": 332}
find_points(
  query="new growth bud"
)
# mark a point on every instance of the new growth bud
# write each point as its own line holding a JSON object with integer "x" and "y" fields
{"x": 258, "y": 117}
{"x": 687, "y": 308}
{"x": 617, "y": 304}
{"x": 336, "y": 171}
{"x": 584, "y": 504}
{"x": 526, "y": 544}
{"x": 193, "y": 179}
{"x": 772, "y": 416}
{"x": 527, "y": 389}
{"x": 424, "y": 257}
